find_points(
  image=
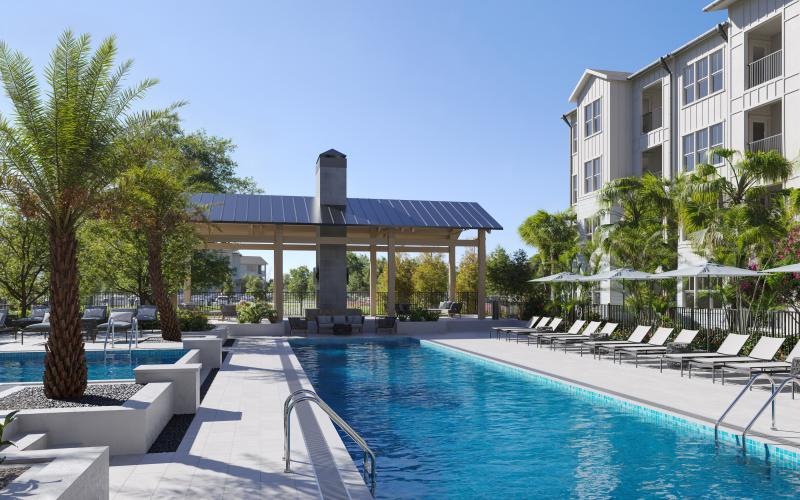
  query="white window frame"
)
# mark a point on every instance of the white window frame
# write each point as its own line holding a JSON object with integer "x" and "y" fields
{"x": 698, "y": 77}
{"x": 697, "y": 152}
{"x": 717, "y": 160}
{"x": 592, "y": 117}
{"x": 688, "y": 153}
{"x": 574, "y": 188}
{"x": 592, "y": 175}
{"x": 574, "y": 137}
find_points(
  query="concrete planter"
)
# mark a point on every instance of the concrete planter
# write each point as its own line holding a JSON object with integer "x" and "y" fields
{"x": 66, "y": 474}
{"x": 256, "y": 330}
{"x": 219, "y": 331}
{"x": 420, "y": 327}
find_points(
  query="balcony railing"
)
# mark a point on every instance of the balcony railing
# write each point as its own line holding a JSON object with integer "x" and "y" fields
{"x": 765, "y": 69}
{"x": 652, "y": 120}
{"x": 771, "y": 143}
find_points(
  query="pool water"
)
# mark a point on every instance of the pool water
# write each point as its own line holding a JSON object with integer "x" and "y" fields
{"x": 445, "y": 426}
{"x": 29, "y": 366}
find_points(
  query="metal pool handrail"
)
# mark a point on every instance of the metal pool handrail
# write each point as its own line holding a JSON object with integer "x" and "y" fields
{"x": 793, "y": 379}
{"x": 302, "y": 395}
{"x": 749, "y": 384}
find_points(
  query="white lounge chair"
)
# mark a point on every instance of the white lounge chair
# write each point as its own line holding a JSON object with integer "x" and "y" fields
{"x": 731, "y": 346}
{"x": 653, "y": 346}
{"x": 573, "y": 330}
{"x": 495, "y": 330}
{"x": 548, "y": 328}
{"x": 765, "y": 349}
{"x": 591, "y": 328}
{"x": 607, "y": 330}
{"x": 752, "y": 368}
{"x": 636, "y": 337}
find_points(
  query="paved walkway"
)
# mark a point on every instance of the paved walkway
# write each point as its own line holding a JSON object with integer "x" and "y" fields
{"x": 234, "y": 446}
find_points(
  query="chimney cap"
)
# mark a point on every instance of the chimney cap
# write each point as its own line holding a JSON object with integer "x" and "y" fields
{"x": 332, "y": 153}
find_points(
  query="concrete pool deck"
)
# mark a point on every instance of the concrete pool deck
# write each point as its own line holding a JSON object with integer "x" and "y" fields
{"x": 234, "y": 446}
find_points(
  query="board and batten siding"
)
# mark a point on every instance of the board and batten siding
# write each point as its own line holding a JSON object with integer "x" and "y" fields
{"x": 657, "y": 137}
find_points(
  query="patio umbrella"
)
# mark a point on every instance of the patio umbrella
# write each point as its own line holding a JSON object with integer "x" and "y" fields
{"x": 563, "y": 277}
{"x": 791, "y": 268}
{"x": 711, "y": 270}
{"x": 620, "y": 274}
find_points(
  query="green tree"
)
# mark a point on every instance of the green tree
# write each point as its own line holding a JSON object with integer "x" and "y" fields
{"x": 467, "y": 273}
{"x": 210, "y": 269}
{"x": 508, "y": 276}
{"x": 430, "y": 273}
{"x": 357, "y": 272}
{"x": 59, "y": 157}
{"x": 555, "y": 236}
{"x": 255, "y": 286}
{"x": 216, "y": 169}
{"x": 404, "y": 277}
{"x": 23, "y": 253}
{"x": 300, "y": 281}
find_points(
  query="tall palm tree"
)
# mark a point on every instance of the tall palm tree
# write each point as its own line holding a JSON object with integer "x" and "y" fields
{"x": 58, "y": 159}
{"x": 554, "y": 235}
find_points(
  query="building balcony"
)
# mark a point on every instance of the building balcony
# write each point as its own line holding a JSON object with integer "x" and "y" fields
{"x": 765, "y": 69}
{"x": 771, "y": 143}
{"x": 652, "y": 120}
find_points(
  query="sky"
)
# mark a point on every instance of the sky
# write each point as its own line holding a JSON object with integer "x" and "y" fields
{"x": 438, "y": 100}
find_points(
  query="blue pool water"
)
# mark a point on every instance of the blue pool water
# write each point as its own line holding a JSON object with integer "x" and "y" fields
{"x": 29, "y": 366}
{"x": 446, "y": 426}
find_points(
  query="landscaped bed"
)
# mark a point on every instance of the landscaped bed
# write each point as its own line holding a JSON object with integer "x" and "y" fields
{"x": 96, "y": 395}
{"x": 9, "y": 473}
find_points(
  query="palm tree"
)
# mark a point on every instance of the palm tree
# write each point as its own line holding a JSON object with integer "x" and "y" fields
{"x": 555, "y": 236}
{"x": 58, "y": 159}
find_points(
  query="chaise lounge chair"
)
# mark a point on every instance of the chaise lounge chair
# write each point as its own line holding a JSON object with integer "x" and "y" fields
{"x": 607, "y": 330}
{"x": 731, "y": 346}
{"x": 548, "y": 328}
{"x": 540, "y": 326}
{"x": 751, "y": 368}
{"x": 495, "y": 330}
{"x": 573, "y": 330}
{"x": 636, "y": 337}
{"x": 653, "y": 346}
{"x": 765, "y": 349}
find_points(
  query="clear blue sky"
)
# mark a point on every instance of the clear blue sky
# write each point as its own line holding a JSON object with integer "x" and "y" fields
{"x": 428, "y": 99}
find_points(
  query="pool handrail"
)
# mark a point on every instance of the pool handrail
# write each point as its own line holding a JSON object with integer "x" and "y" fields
{"x": 747, "y": 386}
{"x": 302, "y": 395}
{"x": 775, "y": 391}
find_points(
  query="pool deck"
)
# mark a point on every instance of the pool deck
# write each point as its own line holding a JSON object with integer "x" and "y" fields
{"x": 233, "y": 448}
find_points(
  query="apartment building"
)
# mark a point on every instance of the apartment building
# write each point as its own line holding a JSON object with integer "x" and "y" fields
{"x": 737, "y": 85}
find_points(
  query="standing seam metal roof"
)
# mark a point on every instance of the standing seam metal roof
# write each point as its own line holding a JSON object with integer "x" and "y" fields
{"x": 272, "y": 209}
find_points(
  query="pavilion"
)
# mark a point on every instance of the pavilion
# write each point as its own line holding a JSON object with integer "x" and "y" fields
{"x": 331, "y": 224}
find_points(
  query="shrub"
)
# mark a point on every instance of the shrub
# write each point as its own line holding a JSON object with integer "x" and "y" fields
{"x": 419, "y": 314}
{"x": 254, "y": 312}
{"x": 193, "y": 321}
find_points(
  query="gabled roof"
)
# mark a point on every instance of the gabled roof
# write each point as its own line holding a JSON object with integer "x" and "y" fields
{"x": 718, "y": 5}
{"x": 299, "y": 210}
{"x": 599, "y": 73}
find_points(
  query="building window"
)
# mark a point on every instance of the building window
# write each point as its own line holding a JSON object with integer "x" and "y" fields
{"x": 696, "y": 147}
{"x": 717, "y": 67}
{"x": 591, "y": 118}
{"x": 574, "y": 188}
{"x": 590, "y": 225}
{"x": 688, "y": 84}
{"x": 703, "y": 77}
{"x": 591, "y": 175}
{"x": 574, "y": 133}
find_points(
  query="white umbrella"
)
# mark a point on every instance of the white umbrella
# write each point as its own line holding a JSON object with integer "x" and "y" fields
{"x": 563, "y": 277}
{"x": 791, "y": 268}
{"x": 712, "y": 270}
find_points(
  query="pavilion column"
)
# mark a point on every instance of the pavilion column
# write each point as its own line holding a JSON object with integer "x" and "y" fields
{"x": 277, "y": 281}
{"x": 481, "y": 273}
{"x": 451, "y": 273}
{"x": 373, "y": 280}
{"x": 390, "y": 274}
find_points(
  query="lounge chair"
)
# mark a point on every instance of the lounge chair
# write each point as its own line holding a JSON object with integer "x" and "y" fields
{"x": 731, "y": 346}
{"x": 495, "y": 330}
{"x": 653, "y": 346}
{"x": 636, "y": 337}
{"x": 587, "y": 333}
{"x": 607, "y": 330}
{"x": 147, "y": 317}
{"x": 93, "y": 316}
{"x": 4, "y": 327}
{"x": 573, "y": 330}
{"x": 751, "y": 368}
{"x": 548, "y": 328}
{"x": 42, "y": 327}
{"x": 538, "y": 327}
{"x": 765, "y": 349}
{"x": 37, "y": 314}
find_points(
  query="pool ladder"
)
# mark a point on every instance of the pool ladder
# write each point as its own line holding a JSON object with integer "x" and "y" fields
{"x": 132, "y": 340}
{"x": 302, "y": 395}
{"x": 774, "y": 391}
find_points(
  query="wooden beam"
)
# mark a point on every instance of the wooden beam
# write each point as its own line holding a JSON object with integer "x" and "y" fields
{"x": 353, "y": 247}
{"x": 334, "y": 240}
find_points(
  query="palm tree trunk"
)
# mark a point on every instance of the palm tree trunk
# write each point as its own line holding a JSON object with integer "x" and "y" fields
{"x": 65, "y": 370}
{"x": 170, "y": 328}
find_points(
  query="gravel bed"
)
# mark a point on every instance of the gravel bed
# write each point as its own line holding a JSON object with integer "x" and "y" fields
{"x": 10, "y": 473}
{"x": 96, "y": 395}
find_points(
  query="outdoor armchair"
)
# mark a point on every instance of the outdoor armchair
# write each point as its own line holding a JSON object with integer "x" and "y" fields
{"x": 120, "y": 320}
{"x": 765, "y": 349}
{"x": 147, "y": 316}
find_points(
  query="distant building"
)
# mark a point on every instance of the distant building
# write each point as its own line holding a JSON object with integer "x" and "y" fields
{"x": 736, "y": 86}
{"x": 245, "y": 265}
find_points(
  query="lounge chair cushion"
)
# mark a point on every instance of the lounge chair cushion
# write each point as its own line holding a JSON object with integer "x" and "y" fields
{"x": 355, "y": 320}
{"x": 339, "y": 320}
{"x": 94, "y": 313}
{"x": 324, "y": 320}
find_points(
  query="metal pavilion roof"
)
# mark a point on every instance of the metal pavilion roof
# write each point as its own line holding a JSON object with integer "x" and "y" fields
{"x": 299, "y": 210}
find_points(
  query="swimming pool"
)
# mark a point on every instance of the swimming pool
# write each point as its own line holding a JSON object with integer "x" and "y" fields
{"x": 448, "y": 425}
{"x": 29, "y": 366}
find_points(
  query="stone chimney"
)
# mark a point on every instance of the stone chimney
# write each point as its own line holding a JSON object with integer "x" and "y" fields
{"x": 331, "y": 258}
{"x": 332, "y": 179}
